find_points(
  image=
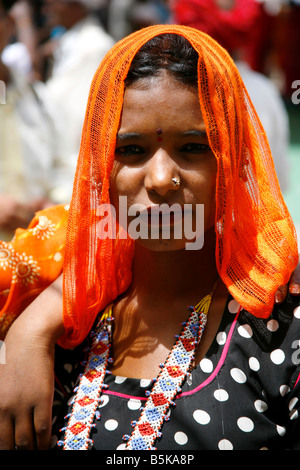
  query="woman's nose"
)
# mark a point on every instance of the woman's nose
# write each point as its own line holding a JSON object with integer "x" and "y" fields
{"x": 162, "y": 174}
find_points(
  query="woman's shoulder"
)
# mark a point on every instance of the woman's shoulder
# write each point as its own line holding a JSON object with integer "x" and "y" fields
{"x": 281, "y": 327}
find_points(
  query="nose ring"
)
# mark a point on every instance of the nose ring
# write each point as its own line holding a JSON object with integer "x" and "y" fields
{"x": 176, "y": 181}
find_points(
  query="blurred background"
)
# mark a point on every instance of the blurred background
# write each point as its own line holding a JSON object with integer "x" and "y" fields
{"x": 50, "y": 49}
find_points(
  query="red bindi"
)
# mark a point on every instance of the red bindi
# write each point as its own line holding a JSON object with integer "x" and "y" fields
{"x": 159, "y": 137}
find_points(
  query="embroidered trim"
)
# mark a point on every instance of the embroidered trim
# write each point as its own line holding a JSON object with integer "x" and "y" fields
{"x": 167, "y": 385}
{"x": 165, "y": 389}
{"x": 88, "y": 391}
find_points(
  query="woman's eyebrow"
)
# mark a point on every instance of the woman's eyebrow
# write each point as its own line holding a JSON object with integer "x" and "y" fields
{"x": 128, "y": 135}
{"x": 135, "y": 135}
{"x": 194, "y": 133}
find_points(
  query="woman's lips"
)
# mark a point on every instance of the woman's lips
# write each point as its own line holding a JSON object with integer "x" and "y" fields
{"x": 163, "y": 216}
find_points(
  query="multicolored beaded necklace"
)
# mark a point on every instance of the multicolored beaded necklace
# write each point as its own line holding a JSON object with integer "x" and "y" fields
{"x": 166, "y": 386}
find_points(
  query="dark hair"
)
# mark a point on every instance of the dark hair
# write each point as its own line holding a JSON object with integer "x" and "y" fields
{"x": 7, "y": 4}
{"x": 169, "y": 52}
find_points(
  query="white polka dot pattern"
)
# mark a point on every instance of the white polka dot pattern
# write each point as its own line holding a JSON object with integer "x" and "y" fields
{"x": 201, "y": 417}
{"x": 236, "y": 409}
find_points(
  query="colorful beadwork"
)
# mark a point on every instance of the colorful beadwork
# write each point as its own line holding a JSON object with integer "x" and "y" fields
{"x": 164, "y": 391}
{"x": 88, "y": 391}
{"x": 168, "y": 383}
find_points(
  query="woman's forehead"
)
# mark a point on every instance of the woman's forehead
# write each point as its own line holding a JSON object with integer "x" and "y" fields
{"x": 161, "y": 84}
{"x": 161, "y": 101}
{"x": 156, "y": 78}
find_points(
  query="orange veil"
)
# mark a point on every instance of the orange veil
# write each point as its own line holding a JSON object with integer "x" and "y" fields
{"x": 256, "y": 248}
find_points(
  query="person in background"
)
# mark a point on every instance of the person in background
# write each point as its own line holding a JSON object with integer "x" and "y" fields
{"x": 76, "y": 52}
{"x": 126, "y": 16}
{"x": 30, "y": 159}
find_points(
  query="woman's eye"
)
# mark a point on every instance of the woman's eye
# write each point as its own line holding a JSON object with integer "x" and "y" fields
{"x": 128, "y": 150}
{"x": 195, "y": 148}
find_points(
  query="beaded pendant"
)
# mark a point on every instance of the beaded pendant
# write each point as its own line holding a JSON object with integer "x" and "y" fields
{"x": 166, "y": 386}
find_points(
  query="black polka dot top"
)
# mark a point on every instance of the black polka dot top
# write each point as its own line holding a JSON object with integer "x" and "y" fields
{"x": 244, "y": 394}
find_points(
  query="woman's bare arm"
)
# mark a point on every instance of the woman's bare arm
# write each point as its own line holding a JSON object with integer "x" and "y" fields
{"x": 27, "y": 373}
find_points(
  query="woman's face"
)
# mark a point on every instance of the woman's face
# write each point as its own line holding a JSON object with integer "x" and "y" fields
{"x": 161, "y": 137}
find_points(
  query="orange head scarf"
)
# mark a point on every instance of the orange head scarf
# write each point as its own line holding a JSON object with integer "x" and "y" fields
{"x": 256, "y": 247}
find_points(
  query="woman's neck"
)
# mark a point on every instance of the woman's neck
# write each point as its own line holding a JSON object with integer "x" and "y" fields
{"x": 183, "y": 275}
{"x": 149, "y": 314}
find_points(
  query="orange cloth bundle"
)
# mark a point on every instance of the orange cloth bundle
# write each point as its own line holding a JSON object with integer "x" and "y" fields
{"x": 30, "y": 262}
{"x": 256, "y": 248}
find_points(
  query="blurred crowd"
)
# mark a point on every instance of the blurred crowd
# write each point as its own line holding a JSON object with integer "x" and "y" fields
{"x": 50, "y": 49}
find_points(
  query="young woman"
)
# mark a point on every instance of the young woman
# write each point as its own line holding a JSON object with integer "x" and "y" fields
{"x": 168, "y": 124}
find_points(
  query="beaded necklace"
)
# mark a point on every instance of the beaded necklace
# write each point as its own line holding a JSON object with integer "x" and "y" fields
{"x": 166, "y": 386}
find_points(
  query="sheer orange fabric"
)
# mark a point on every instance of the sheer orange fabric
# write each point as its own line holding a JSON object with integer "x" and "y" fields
{"x": 30, "y": 262}
{"x": 256, "y": 248}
